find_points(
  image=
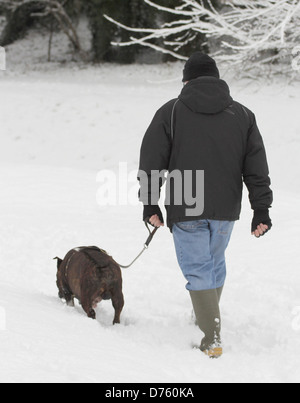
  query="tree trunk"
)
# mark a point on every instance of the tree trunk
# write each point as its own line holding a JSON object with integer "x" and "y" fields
{"x": 134, "y": 13}
{"x": 103, "y": 32}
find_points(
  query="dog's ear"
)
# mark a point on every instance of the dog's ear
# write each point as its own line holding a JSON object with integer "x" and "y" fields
{"x": 59, "y": 261}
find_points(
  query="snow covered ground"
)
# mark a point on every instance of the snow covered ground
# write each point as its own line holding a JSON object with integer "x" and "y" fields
{"x": 59, "y": 127}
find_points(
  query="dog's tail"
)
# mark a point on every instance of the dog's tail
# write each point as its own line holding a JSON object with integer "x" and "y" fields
{"x": 59, "y": 261}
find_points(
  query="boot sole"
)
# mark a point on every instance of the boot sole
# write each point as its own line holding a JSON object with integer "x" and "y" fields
{"x": 214, "y": 352}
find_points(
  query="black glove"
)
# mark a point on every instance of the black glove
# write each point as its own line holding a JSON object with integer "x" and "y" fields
{"x": 261, "y": 217}
{"x": 150, "y": 211}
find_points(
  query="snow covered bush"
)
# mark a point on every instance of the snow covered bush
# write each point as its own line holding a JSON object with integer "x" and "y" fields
{"x": 261, "y": 31}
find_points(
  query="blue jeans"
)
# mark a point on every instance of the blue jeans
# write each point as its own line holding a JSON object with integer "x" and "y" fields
{"x": 200, "y": 248}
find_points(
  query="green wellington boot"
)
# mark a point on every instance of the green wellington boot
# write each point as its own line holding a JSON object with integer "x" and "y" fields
{"x": 219, "y": 292}
{"x": 207, "y": 311}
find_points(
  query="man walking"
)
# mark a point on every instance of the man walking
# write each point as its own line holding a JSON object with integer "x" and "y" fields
{"x": 205, "y": 130}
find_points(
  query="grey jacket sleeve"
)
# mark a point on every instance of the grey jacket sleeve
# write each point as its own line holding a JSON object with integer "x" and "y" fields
{"x": 256, "y": 170}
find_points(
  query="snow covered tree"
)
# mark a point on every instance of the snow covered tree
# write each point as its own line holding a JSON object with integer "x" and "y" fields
{"x": 103, "y": 32}
{"x": 21, "y": 14}
{"x": 261, "y": 31}
{"x": 134, "y": 13}
{"x": 187, "y": 42}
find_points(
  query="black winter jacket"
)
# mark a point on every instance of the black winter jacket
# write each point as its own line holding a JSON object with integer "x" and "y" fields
{"x": 205, "y": 130}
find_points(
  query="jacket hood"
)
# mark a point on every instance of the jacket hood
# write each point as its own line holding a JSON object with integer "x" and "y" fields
{"x": 208, "y": 95}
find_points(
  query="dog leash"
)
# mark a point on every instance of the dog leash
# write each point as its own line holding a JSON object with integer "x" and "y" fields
{"x": 146, "y": 246}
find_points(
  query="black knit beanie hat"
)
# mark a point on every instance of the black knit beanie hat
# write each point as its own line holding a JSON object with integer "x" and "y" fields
{"x": 199, "y": 65}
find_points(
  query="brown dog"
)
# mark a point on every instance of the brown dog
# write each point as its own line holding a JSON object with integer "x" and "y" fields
{"x": 90, "y": 275}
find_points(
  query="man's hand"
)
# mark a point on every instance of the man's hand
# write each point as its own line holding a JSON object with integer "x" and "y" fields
{"x": 261, "y": 223}
{"x": 261, "y": 230}
{"x": 155, "y": 221}
{"x": 153, "y": 215}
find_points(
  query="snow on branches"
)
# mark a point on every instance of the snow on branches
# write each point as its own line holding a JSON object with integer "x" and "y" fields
{"x": 260, "y": 31}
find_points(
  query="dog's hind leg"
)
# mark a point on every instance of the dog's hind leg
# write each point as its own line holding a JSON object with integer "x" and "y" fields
{"x": 69, "y": 300}
{"x": 118, "y": 304}
{"x": 63, "y": 288}
{"x": 88, "y": 309}
{"x": 67, "y": 296}
{"x": 90, "y": 313}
